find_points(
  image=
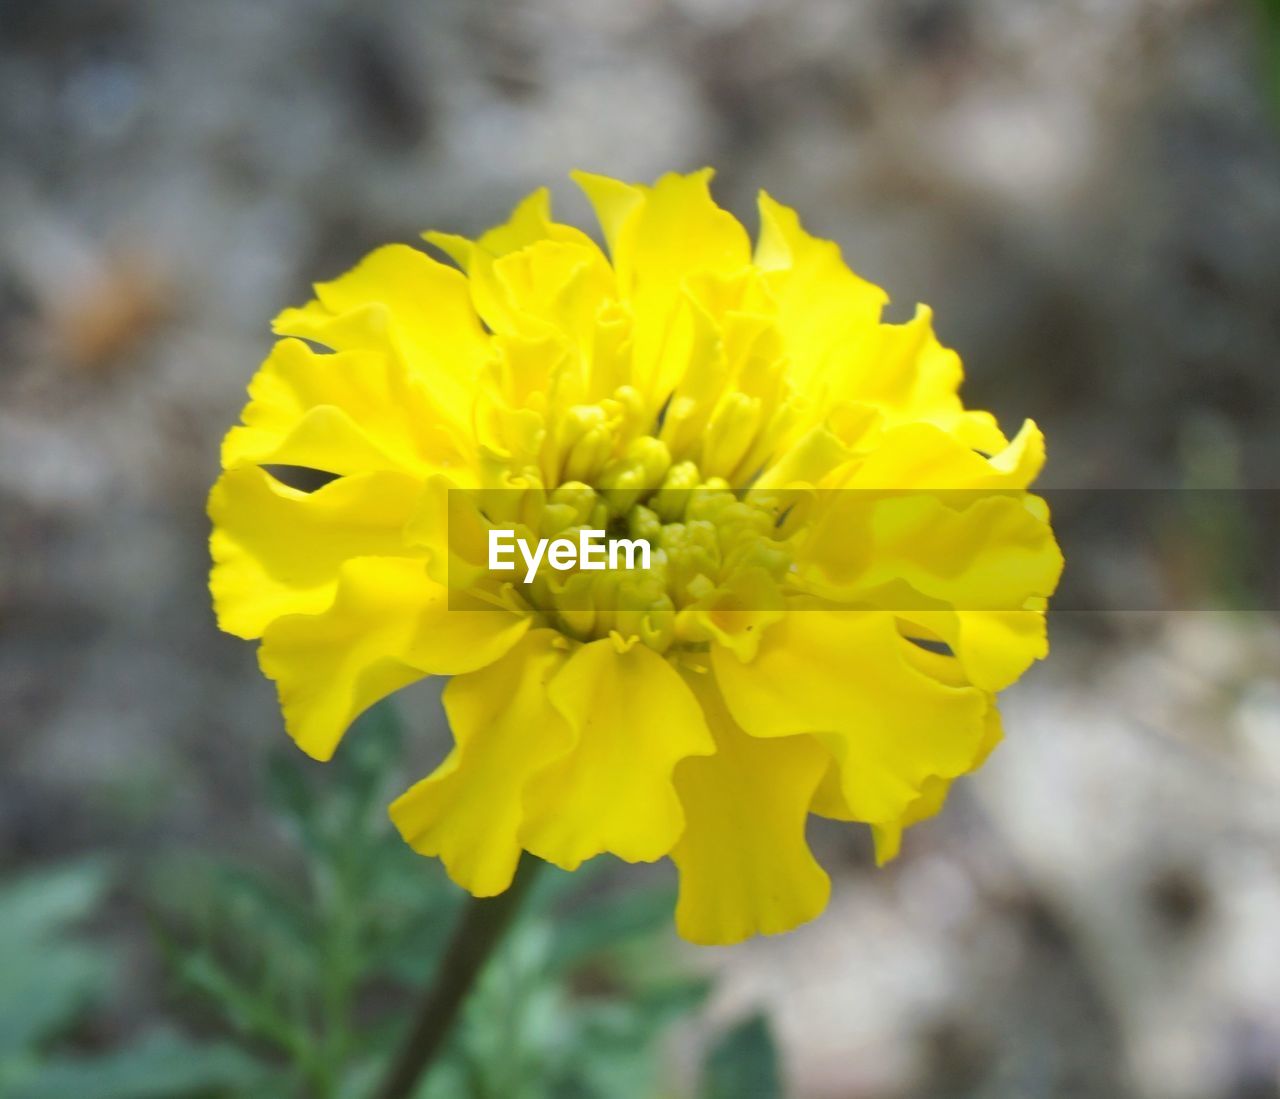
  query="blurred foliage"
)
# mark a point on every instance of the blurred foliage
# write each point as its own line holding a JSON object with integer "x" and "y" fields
{"x": 744, "y": 1064}
{"x": 1220, "y": 533}
{"x": 1270, "y": 19}
{"x": 320, "y": 974}
{"x": 50, "y": 979}
{"x": 301, "y": 985}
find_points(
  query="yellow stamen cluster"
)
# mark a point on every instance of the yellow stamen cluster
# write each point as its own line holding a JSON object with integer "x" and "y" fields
{"x": 714, "y": 556}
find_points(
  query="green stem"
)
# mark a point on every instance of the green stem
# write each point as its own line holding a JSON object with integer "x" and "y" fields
{"x": 478, "y": 933}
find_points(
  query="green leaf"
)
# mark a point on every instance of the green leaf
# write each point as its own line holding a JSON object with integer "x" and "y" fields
{"x": 1269, "y": 17}
{"x": 743, "y": 1064}
{"x": 245, "y": 1011}
{"x": 666, "y": 1002}
{"x": 44, "y": 991}
{"x": 610, "y": 1053}
{"x": 42, "y": 904}
{"x": 372, "y": 748}
{"x": 262, "y": 906}
{"x": 161, "y": 1066}
{"x": 45, "y": 983}
{"x": 288, "y": 792}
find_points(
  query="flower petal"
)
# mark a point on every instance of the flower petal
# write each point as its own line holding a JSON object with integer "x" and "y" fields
{"x": 529, "y": 223}
{"x": 993, "y": 646}
{"x": 967, "y": 550}
{"x": 470, "y": 810}
{"x": 903, "y": 370}
{"x": 888, "y": 837}
{"x": 400, "y": 300}
{"x": 823, "y": 307}
{"x": 350, "y": 412}
{"x": 973, "y": 568}
{"x": 658, "y": 236}
{"x": 678, "y": 230}
{"x": 745, "y": 866}
{"x": 933, "y": 795}
{"x": 613, "y": 202}
{"x": 633, "y": 719}
{"x": 923, "y": 456}
{"x": 277, "y": 550}
{"x": 531, "y": 274}
{"x": 389, "y": 625}
{"x": 844, "y": 676}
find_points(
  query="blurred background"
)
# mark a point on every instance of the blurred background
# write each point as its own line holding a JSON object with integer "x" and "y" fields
{"x": 1088, "y": 194}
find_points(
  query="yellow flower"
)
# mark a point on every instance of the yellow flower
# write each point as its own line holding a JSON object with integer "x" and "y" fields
{"x": 846, "y": 567}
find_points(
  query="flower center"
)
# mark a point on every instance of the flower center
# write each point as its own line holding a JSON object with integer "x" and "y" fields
{"x": 716, "y": 561}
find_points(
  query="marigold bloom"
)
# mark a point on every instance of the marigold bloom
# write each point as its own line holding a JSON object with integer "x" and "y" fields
{"x": 809, "y": 637}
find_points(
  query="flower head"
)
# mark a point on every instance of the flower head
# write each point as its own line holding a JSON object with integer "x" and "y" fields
{"x": 845, "y": 566}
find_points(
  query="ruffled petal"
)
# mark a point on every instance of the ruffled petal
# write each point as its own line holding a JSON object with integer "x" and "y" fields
{"x": 840, "y": 353}
{"x": 659, "y": 236}
{"x": 966, "y": 550}
{"x": 277, "y": 550}
{"x": 614, "y": 203}
{"x": 388, "y": 626}
{"x": 845, "y": 677}
{"x": 994, "y": 647}
{"x": 923, "y": 456}
{"x": 745, "y": 866}
{"x": 668, "y": 231}
{"x": 829, "y": 800}
{"x": 350, "y": 412}
{"x": 532, "y": 275}
{"x": 427, "y": 302}
{"x": 529, "y": 223}
{"x": 888, "y": 837}
{"x": 823, "y": 307}
{"x": 400, "y": 298}
{"x": 469, "y": 812}
{"x": 933, "y": 796}
{"x": 908, "y": 375}
{"x": 633, "y": 719}
{"x": 975, "y": 569}
{"x": 553, "y": 288}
